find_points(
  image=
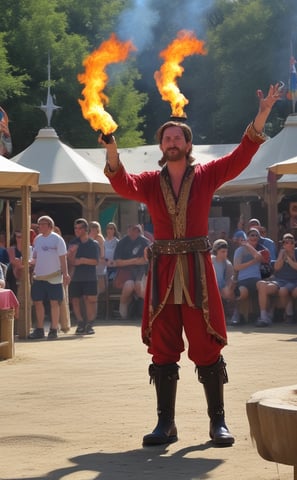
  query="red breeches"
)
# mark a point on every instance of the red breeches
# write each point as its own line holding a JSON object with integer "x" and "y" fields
{"x": 167, "y": 336}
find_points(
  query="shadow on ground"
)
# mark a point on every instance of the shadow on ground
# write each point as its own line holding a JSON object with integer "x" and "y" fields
{"x": 147, "y": 463}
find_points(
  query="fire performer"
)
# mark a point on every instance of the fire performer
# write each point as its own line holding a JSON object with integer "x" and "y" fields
{"x": 182, "y": 293}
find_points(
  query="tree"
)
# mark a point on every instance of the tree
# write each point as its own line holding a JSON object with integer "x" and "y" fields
{"x": 37, "y": 27}
{"x": 12, "y": 83}
{"x": 244, "y": 46}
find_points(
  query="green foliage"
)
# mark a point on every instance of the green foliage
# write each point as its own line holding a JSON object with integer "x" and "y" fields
{"x": 248, "y": 45}
{"x": 243, "y": 47}
{"x": 12, "y": 83}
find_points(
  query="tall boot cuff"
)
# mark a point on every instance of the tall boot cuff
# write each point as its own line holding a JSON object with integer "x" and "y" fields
{"x": 170, "y": 371}
{"x": 205, "y": 373}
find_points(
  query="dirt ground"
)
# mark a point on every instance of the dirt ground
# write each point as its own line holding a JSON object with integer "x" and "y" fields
{"x": 77, "y": 408}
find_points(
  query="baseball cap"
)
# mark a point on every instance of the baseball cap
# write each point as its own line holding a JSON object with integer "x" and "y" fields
{"x": 288, "y": 236}
{"x": 254, "y": 221}
{"x": 218, "y": 244}
{"x": 253, "y": 230}
{"x": 240, "y": 234}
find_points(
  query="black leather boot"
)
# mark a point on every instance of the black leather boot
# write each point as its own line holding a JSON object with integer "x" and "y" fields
{"x": 165, "y": 379}
{"x": 213, "y": 378}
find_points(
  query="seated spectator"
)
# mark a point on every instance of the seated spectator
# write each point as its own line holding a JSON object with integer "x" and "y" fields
{"x": 224, "y": 274}
{"x": 266, "y": 241}
{"x": 283, "y": 283}
{"x": 236, "y": 240}
{"x": 247, "y": 260}
{"x": 131, "y": 267}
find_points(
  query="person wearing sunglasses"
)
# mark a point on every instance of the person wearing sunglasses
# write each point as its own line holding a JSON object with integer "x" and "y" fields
{"x": 283, "y": 284}
{"x": 247, "y": 263}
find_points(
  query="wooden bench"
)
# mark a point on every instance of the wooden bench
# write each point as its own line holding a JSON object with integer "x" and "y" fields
{"x": 109, "y": 298}
{"x": 7, "y": 334}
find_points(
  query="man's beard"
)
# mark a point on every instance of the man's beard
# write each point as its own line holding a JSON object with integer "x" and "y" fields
{"x": 174, "y": 154}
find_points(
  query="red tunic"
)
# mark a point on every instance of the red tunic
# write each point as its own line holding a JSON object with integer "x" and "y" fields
{"x": 145, "y": 188}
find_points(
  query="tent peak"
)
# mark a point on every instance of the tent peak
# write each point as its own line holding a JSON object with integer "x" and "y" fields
{"x": 47, "y": 133}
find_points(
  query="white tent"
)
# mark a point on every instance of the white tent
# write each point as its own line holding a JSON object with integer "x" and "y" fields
{"x": 277, "y": 149}
{"x": 64, "y": 173}
{"x": 287, "y": 167}
{"x": 18, "y": 181}
{"x": 61, "y": 168}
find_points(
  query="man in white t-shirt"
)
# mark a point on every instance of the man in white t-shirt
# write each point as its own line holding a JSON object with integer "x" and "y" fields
{"x": 50, "y": 273}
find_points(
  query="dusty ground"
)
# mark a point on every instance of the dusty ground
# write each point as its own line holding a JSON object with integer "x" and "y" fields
{"x": 77, "y": 408}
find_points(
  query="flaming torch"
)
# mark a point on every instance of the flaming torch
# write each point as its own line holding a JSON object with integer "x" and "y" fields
{"x": 184, "y": 45}
{"x": 95, "y": 79}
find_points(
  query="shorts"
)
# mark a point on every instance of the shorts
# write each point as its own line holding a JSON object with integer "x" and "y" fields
{"x": 42, "y": 290}
{"x": 80, "y": 289}
{"x": 289, "y": 285}
{"x": 249, "y": 283}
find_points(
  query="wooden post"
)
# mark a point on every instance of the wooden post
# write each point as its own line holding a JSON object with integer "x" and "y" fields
{"x": 272, "y": 206}
{"x": 6, "y": 333}
{"x": 24, "y": 321}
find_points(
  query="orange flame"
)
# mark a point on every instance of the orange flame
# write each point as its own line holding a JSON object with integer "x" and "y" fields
{"x": 184, "y": 45}
{"x": 95, "y": 79}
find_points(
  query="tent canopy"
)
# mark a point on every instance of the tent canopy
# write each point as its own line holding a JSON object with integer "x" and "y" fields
{"x": 286, "y": 167}
{"x": 281, "y": 147}
{"x": 16, "y": 176}
{"x": 62, "y": 170}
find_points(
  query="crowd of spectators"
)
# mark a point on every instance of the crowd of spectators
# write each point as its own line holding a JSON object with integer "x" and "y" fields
{"x": 95, "y": 263}
{"x": 252, "y": 268}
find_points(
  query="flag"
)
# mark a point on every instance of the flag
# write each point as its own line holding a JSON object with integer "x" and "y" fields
{"x": 292, "y": 93}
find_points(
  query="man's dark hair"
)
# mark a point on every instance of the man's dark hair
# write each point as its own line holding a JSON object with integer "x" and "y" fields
{"x": 83, "y": 222}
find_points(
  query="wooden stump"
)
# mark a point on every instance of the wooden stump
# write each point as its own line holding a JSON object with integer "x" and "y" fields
{"x": 7, "y": 333}
{"x": 272, "y": 416}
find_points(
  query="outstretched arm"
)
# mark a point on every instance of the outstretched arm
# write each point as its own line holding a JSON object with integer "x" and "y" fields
{"x": 266, "y": 104}
{"x": 112, "y": 155}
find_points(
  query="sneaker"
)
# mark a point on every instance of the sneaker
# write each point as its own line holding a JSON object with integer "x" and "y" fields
{"x": 289, "y": 319}
{"x": 235, "y": 319}
{"x": 80, "y": 330}
{"x": 263, "y": 322}
{"x": 52, "y": 334}
{"x": 37, "y": 333}
{"x": 89, "y": 329}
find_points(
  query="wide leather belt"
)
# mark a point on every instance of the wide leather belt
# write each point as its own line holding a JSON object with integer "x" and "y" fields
{"x": 180, "y": 246}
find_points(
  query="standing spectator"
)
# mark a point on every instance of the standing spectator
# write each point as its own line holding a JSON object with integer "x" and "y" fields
{"x": 15, "y": 267}
{"x": 283, "y": 283}
{"x": 83, "y": 257}
{"x": 131, "y": 267}
{"x": 2, "y": 277}
{"x": 110, "y": 244}
{"x": 247, "y": 261}
{"x": 224, "y": 274}
{"x": 95, "y": 233}
{"x": 50, "y": 273}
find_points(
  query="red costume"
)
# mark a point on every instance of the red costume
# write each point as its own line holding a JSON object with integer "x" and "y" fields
{"x": 187, "y": 218}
